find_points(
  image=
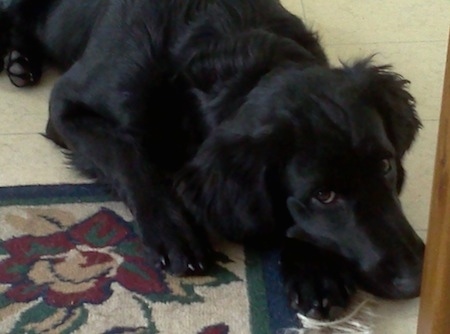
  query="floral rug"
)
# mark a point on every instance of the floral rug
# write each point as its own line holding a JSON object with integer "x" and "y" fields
{"x": 71, "y": 262}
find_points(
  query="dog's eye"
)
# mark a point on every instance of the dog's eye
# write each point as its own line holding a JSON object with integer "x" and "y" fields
{"x": 386, "y": 166}
{"x": 325, "y": 196}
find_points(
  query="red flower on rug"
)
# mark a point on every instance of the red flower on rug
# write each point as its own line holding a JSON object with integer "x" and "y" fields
{"x": 79, "y": 265}
{"x": 216, "y": 329}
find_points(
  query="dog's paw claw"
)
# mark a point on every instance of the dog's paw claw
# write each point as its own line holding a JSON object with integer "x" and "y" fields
{"x": 177, "y": 256}
{"x": 295, "y": 301}
{"x": 182, "y": 269}
{"x": 201, "y": 266}
{"x": 20, "y": 70}
{"x": 163, "y": 262}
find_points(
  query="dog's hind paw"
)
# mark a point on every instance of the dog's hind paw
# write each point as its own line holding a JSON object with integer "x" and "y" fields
{"x": 21, "y": 71}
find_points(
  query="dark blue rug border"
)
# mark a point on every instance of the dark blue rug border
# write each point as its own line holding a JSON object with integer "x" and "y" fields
{"x": 52, "y": 194}
{"x": 281, "y": 314}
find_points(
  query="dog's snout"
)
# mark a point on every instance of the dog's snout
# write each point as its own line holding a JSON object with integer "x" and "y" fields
{"x": 408, "y": 287}
{"x": 406, "y": 284}
{"x": 399, "y": 275}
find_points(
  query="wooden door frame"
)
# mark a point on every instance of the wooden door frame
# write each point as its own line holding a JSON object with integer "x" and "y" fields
{"x": 434, "y": 312}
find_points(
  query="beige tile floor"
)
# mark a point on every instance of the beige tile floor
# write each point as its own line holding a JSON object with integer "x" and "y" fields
{"x": 410, "y": 34}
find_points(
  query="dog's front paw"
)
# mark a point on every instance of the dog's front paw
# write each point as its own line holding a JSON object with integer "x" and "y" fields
{"x": 319, "y": 284}
{"x": 22, "y": 71}
{"x": 175, "y": 245}
{"x": 322, "y": 294}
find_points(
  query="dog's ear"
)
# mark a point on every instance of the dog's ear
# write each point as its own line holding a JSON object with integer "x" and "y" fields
{"x": 388, "y": 92}
{"x": 227, "y": 183}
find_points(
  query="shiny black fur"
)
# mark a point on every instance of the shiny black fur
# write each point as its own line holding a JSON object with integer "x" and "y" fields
{"x": 225, "y": 116}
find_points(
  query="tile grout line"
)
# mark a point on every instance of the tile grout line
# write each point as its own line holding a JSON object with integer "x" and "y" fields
{"x": 21, "y": 134}
{"x": 388, "y": 42}
{"x": 304, "y": 10}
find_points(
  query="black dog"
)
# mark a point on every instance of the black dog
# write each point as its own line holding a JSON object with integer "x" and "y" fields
{"x": 225, "y": 116}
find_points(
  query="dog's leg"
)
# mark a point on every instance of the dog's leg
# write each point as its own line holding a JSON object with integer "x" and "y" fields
{"x": 5, "y": 26}
{"x": 319, "y": 284}
{"x": 101, "y": 139}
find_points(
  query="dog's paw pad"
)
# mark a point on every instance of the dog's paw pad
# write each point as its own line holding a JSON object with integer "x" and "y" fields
{"x": 20, "y": 70}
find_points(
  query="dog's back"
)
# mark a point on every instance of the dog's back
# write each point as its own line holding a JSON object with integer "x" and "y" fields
{"x": 62, "y": 28}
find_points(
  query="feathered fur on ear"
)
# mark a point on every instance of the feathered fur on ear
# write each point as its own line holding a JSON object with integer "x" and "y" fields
{"x": 226, "y": 186}
{"x": 388, "y": 92}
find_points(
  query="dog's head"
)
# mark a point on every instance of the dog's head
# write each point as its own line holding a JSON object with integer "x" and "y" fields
{"x": 328, "y": 144}
{"x": 344, "y": 183}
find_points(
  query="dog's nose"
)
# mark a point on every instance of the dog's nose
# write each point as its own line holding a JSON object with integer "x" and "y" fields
{"x": 408, "y": 287}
